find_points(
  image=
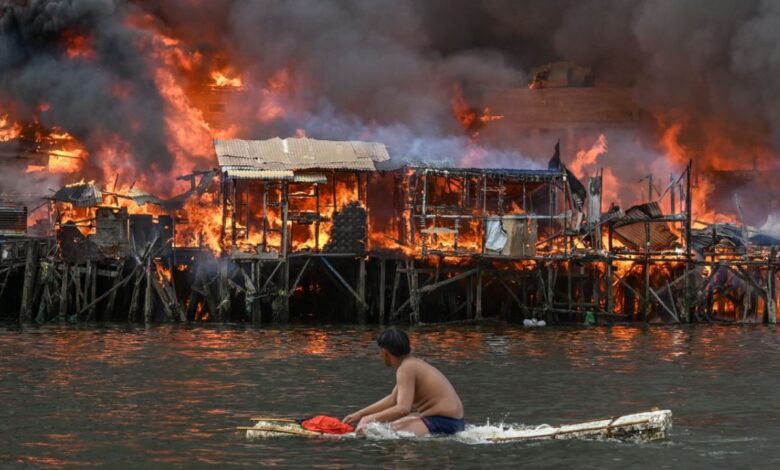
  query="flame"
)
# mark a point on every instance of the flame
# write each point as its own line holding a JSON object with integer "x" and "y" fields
{"x": 9, "y": 130}
{"x": 679, "y": 155}
{"x": 471, "y": 119}
{"x": 219, "y": 79}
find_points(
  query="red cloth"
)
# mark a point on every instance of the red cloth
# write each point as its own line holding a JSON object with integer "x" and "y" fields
{"x": 327, "y": 425}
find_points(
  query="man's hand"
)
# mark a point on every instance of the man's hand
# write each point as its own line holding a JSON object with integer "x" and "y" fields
{"x": 352, "y": 419}
{"x": 360, "y": 430}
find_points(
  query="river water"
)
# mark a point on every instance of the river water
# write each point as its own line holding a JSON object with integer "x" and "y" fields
{"x": 172, "y": 396}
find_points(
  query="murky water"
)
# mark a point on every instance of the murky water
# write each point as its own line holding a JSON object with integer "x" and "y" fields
{"x": 171, "y": 396}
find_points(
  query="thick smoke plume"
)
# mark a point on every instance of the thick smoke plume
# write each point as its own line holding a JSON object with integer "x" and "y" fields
{"x": 380, "y": 69}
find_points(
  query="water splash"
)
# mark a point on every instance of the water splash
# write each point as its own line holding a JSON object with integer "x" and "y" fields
{"x": 473, "y": 434}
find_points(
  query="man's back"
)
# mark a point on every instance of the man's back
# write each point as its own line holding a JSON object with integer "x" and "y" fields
{"x": 434, "y": 395}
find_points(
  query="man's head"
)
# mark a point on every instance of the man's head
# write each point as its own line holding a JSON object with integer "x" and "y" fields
{"x": 394, "y": 343}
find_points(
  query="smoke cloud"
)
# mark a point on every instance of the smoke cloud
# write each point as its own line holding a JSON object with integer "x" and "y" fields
{"x": 385, "y": 69}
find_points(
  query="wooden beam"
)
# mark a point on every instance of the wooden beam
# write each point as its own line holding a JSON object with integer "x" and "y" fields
{"x": 298, "y": 277}
{"x": 458, "y": 277}
{"x": 342, "y": 281}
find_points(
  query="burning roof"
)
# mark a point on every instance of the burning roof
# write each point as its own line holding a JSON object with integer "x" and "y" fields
{"x": 79, "y": 194}
{"x": 277, "y": 158}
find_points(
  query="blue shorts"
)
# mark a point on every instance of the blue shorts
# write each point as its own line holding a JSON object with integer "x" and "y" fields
{"x": 438, "y": 425}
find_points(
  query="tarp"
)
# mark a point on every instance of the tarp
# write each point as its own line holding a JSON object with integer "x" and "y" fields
{"x": 495, "y": 236}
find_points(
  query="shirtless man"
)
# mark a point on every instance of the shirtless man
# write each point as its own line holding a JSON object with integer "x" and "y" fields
{"x": 423, "y": 401}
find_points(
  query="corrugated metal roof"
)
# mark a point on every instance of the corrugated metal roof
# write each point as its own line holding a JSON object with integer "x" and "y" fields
{"x": 300, "y": 154}
{"x": 310, "y": 178}
{"x": 251, "y": 174}
{"x": 79, "y": 194}
{"x": 631, "y": 228}
{"x": 508, "y": 173}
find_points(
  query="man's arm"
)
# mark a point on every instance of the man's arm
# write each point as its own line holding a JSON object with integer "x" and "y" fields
{"x": 404, "y": 390}
{"x": 380, "y": 405}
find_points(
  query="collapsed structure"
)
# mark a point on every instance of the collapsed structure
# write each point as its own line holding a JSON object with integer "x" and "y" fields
{"x": 340, "y": 231}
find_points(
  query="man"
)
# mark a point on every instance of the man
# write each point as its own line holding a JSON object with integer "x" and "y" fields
{"x": 423, "y": 401}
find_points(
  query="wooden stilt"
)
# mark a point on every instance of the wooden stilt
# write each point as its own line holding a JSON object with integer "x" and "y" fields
{"x": 165, "y": 301}
{"x": 610, "y": 294}
{"x": 361, "y": 291}
{"x": 224, "y": 307}
{"x": 479, "y": 294}
{"x": 64, "y": 288}
{"x": 382, "y": 286}
{"x": 93, "y": 292}
{"x": 148, "y": 292}
{"x": 771, "y": 303}
{"x": 396, "y": 282}
{"x": 28, "y": 288}
{"x": 414, "y": 302}
{"x": 470, "y": 298}
{"x": 135, "y": 299}
{"x": 281, "y": 302}
{"x": 77, "y": 285}
{"x": 192, "y": 300}
{"x": 112, "y": 298}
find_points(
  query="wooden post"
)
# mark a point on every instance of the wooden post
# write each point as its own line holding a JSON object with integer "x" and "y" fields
{"x": 361, "y": 291}
{"x": 414, "y": 297}
{"x": 224, "y": 307}
{"x": 281, "y": 302}
{"x": 135, "y": 299}
{"x": 30, "y": 271}
{"x": 550, "y": 289}
{"x": 646, "y": 295}
{"x": 382, "y": 282}
{"x": 224, "y": 187}
{"x": 610, "y": 295}
{"x": 479, "y": 294}
{"x": 63, "y": 312}
{"x": 77, "y": 285}
{"x": 687, "y": 312}
{"x": 112, "y": 299}
{"x": 396, "y": 282}
{"x": 317, "y": 220}
{"x": 93, "y": 292}
{"x": 234, "y": 213}
{"x": 87, "y": 284}
{"x": 771, "y": 302}
{"x": 148, "y": 292}
{"x": 285, "y": 234}
{"x": 470, "y": 298}
{"x": 747, "y": 298}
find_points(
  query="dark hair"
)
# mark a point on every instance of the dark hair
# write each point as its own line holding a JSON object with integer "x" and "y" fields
{"x": 395, "y": 341}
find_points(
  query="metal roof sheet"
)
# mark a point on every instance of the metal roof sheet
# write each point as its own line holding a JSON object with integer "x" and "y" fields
{"x": 300, "y": 154}
{"x": 310, "y": 178}
{"x": 79, "y": 194}
{"x": 508, "y": 173}
{"x": 252, "y": 174}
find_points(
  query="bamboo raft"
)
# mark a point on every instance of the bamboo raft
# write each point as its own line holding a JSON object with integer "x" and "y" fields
{"x": 645, "y": 426}
{"x": 267, "y": 427}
